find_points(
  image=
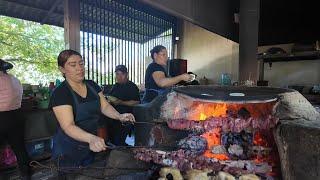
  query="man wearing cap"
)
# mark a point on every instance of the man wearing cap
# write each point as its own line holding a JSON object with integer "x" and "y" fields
{"x": 12, "y": 124}
{"x": 123, "y": 96}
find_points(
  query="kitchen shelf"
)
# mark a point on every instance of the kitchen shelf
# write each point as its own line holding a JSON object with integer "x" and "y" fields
{"x": 287, "y": 57}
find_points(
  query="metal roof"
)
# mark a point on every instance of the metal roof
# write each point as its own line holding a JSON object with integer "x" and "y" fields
{"x": 113, "y": 15}
{"x": 42, "y": 11}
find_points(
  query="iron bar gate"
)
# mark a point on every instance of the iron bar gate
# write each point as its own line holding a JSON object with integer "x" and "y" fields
{"x": 117, "y": 32}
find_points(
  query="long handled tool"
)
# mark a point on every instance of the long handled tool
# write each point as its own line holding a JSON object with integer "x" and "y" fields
{"x": 113, "y": 147}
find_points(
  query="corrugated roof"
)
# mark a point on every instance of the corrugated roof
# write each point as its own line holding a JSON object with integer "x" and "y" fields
{"x": 114, "y": 16}
{"x": 34, "y": 10}
{"x": 145, "y": 23}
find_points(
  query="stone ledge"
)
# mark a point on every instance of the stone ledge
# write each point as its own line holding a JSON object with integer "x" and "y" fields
{"x": 299, "y": 149}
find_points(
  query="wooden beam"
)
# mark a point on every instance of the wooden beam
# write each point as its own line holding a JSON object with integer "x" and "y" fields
{"x": 72, "y": 24}
{"x": 51, "y": 10}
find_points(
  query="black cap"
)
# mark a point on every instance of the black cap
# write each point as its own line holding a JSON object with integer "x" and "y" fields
{"x": 4, "y": 66}
{"x": 121, "y": 68}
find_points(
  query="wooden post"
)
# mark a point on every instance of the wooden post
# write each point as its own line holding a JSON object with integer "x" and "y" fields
{"x": 72, "y": 24}
{"x": 248, "y": 39}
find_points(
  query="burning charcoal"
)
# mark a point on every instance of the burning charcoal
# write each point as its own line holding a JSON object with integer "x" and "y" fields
{"x": 175, "y": 173}
{"x": 224, "y": 176}
{"x": 219, "y": 150}
{"x": 237, "y": 138}
{"x": 249, "y": 177}
{"x": 193, "y": 145}
{"x": 244, "y": 113}
{"x": 243, "y": 139}
{"x": 247, "y": 137}
{"x": 235, "y": 150}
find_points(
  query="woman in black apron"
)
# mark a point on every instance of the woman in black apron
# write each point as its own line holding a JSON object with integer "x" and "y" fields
{"x": 77, "y": 104}
{"x": 157, "y": 81}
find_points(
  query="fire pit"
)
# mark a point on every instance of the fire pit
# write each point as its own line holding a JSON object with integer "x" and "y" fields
{"x": 217, "y": 129}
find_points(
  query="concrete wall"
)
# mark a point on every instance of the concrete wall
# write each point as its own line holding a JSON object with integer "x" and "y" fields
{"x": 215, "y": 15}
{"x": 208, "y": 54}
{"x": 282, "y": 74}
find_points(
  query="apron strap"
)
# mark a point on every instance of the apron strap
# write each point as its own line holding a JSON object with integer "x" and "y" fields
{"x": 90, "y": 88}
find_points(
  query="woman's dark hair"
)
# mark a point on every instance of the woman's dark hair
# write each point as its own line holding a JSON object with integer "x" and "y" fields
{"x": 65, "y": 55}
{"x": 156, "y": 49}
{"x": 4, "y": 66}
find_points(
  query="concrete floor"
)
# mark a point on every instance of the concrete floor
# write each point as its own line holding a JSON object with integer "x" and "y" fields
{"x": 95, "y": 171}
{"x": 48, "y": 174}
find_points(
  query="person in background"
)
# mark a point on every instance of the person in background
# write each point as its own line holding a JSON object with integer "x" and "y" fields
{"x": 156, "y": 78}
{"x": 77, "y": 104}
{"x": 123, "y": 96}
{"x": 12, "y": 124}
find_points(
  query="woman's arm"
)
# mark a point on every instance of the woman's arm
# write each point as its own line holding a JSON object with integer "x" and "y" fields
{"x": 126, "y": 103}
{"x": 162, "y": 81}
{"x": 109, "y": 111}
{"x": 65, "y": 118}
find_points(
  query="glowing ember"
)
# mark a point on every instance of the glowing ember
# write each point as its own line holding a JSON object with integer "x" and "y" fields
{"x": 259, "y": 140}
{"x": 200, "y": 111}
{"x": 213, "y": 138}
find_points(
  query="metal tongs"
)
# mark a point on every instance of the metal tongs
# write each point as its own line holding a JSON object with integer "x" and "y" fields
{"x": 144, "y": 122}
{"x": 111, "y": 146}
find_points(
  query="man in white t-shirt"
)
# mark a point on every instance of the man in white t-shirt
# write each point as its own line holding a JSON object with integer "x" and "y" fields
{"x": 12, "y": 123}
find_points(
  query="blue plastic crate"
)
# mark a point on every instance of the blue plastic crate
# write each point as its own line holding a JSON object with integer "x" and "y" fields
{"x": 37, "y": 148}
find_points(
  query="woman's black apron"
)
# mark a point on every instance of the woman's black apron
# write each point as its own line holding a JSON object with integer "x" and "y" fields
{"x": 69, "y": 152}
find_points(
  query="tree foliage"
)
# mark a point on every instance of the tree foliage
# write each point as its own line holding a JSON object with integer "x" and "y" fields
{"x": 32, "y": 48}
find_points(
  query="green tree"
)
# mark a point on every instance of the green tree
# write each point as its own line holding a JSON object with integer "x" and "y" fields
{"x": 32, "y": 48}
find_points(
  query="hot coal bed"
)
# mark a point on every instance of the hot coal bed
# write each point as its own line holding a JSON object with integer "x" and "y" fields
{"x": 213, "y": 129}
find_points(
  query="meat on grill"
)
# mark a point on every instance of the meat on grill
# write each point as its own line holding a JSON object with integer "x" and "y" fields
{"x": 226, "y": 123}
{"x": 193, "y": 145}
{"x": 177, "y": 159}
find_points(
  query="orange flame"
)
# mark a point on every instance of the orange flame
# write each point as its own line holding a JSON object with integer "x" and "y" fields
{"x": 202, "y": 110}
{"x": 213, "y": 139}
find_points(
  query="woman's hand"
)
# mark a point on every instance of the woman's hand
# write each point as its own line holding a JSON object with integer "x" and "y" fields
{"x": 97, "y": 144}
{"x": 126, "y": 117}
{"x": 186, "y": 77}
